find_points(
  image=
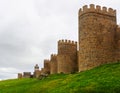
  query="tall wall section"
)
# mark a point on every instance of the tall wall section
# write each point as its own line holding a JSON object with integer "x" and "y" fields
{"x": 26, "y": 74}
{"x": 46, "y": 67}
{"x": 42, "y": 71}
{"x": 117, "y": 58}
{"x": 37, "y": 73}
{"x": 53, "y": 64}
{"x": 96, "y": 36}
{"x": 67, "y": 56}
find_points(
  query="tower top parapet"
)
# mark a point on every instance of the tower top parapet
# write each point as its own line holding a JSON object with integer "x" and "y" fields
{"x": 36, "y": 67}
{"x": 46, "y": 60}
{"x": 53, "y": 55}
{"x": 67, "y": 42}
{"x": 97, "y": 9}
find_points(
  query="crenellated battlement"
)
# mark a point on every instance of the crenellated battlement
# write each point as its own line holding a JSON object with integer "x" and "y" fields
{"x": 67, "y": 42}
{"x": 53, "y": 56}
{"x": 97, "y": 9}
{"x": 99, "y": 43}
{"x": 46, "y": 60}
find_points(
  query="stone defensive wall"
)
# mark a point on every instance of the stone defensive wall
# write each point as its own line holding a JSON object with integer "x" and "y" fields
{"x": 42, "y": 70}
{"x": 36, "y": 67}
{"x": 37, "y": 73}
{"x": 67, "y": 42}
{"x": 96, "y": 36}
{"x": 20, "y": 75}
{"x": 98, "y": 43}
{"x": 117, "y": 57}
{"x": 97, "y": 9}
{"x": 67, "y": 56}
{"x": 67, "y": 47}
{"x": 26, "y": 74}
{"x": 53, "y": 56}
{"x": 47, "y": 66}
{"x": 65, "y": 64}
{"x": 53, "y": 64}
{"x": 118, "y": 32}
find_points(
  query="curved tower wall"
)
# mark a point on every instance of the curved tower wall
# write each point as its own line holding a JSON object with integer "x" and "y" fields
{"x": 53, "y": 64}
{"x": 37, "y": 72}
{"x": 96, "y": 36}
{"x": 67, "y": 56}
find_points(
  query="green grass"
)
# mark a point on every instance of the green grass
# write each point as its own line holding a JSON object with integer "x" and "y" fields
{"x": 102, "y": 79}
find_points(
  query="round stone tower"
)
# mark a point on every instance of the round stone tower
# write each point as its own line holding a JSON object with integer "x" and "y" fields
{"x": 37, "y": 72}
{"x": 36, "y": 67}
{"x": 53, "y": 64}
{"x": 96, "y": 36}
{"x": 67, "y": 56}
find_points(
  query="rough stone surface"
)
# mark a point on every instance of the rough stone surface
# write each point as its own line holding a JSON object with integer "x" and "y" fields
{"x": 67, "y": 56}
{"x": 53, "y": 64}
{"x": 117, "y": 40}
{"x": 46, "y": 67}
{"x": 26, "y": 74}
{"x": 98, "y": 43}
{"x": 97, "y": 29}
{"x": 37, "y": 72}
{"x": 20, "y": 75}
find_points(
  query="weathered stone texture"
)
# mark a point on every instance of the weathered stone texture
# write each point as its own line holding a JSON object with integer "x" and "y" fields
{"x": 46, "y": 67}
{"x": 20, "y": 75}
{"x": 67, "y": 56}
{"x": 96, "y": 36}
{"x": 53, "y": 64}
{"x": 65, "y": 64}
{"x": 36, "y": 67}
{"x": 42, "y": 70}
{"x": 117, "y": 56}
{"x": 26, "y": 74}
{"x": 99, "y": 43}
{"x": 37, "y": 72}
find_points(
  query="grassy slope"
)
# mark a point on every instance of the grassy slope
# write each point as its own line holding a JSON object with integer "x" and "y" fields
{"x": 103, "y": 79}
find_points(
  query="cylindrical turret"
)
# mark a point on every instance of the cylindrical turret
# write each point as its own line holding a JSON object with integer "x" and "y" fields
{"x": 36, "y": 67}
{"x": 37, "y": 72}
{"x": 67, "y": 56}
{"x": 96, "y": 36}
